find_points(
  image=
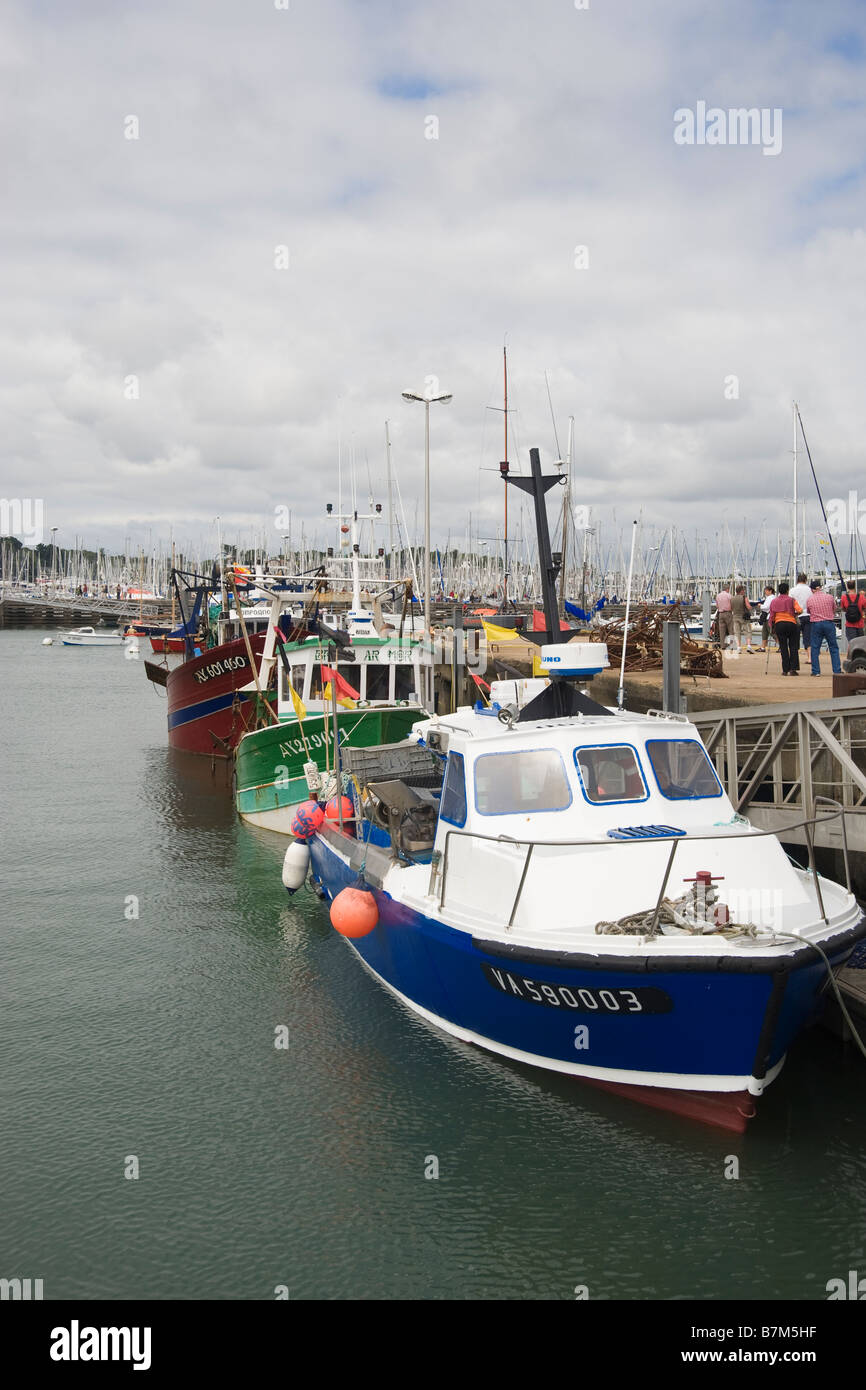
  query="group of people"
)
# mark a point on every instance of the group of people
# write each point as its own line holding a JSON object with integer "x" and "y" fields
{"x": 805, "y": 613}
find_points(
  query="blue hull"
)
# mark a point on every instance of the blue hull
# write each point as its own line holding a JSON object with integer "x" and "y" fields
{"x": 675, "y": 1023}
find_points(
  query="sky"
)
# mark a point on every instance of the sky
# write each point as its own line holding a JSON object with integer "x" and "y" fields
{"x": 234, "y": 231}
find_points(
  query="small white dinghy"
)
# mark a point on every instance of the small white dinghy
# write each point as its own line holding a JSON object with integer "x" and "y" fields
{"x": 92, "y": 637}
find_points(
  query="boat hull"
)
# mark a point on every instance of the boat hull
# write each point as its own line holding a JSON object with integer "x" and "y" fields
{"x": 641, "y": 1026}
{"x": 270, "y": 762}
{"x": 207, "y": 712}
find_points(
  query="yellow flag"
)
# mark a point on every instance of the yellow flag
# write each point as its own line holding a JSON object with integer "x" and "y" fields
{"x": 537, "y": 668}
{"x": 344, "y": 700}
{"x": 300, "y": 707}
{"x": 498, "y": 634}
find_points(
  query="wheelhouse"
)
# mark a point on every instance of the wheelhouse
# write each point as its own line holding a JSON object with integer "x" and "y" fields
{"x": 378, "y": 673}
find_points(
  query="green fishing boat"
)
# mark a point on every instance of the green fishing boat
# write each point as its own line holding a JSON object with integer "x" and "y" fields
{"x": 368, "y": 694}
{"x": 358, "y": 685}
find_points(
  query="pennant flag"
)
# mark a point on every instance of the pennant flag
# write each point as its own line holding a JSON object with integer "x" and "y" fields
{"x": 300, "y": 707}
{"x": 498, "y": 634}
{"x": 328, "y": 695}
{"x": 482, "y": 686}
{"x": 343, "y": 686}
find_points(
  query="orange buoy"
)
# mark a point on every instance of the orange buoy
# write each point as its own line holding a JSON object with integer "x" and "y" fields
{"x": 332, "y": 810}
{"x": 354, "y": 912}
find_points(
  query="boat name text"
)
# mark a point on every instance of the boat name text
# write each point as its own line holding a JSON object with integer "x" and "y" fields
{"x": 220, "y": 668}
{"x": 580, "y": 998}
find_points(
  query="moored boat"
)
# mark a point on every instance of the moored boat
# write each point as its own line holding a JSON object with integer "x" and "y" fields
{"x": 354, "y": 686}
{"x": 588, "y": 901}
{"x": 92, "y": 637}
{"x": 574, "y": 890}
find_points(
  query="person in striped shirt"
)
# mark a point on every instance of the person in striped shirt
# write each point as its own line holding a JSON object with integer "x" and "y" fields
{"x": 821, "y": 608}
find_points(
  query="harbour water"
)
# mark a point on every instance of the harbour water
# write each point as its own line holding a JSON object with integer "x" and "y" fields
{"x": 152, "y": 960}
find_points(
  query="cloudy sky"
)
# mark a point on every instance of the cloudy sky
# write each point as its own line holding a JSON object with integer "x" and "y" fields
{"x": 151, "y": 266}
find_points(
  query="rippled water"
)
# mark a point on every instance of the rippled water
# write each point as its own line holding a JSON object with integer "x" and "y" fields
{"x": 305, "y": 1167}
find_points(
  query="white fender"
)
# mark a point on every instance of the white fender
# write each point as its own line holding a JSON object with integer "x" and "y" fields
{"x": 295, "y": 865}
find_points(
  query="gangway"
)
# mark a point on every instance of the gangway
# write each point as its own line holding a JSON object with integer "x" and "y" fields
{"x": 775, "y": 760}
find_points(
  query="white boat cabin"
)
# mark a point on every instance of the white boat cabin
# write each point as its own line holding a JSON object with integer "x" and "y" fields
{"x": 382, "y": 672}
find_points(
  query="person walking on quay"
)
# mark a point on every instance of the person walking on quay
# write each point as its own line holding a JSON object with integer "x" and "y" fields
{"x": 782, "y": 618}
{"x": 801, "y": 593}
{"x": 821, "y": 608}
{"x": 724, "y": 616}
{"x": 769, "y": 595}
{"x": 853, "y": 603}
{"x": 742, "y": 614}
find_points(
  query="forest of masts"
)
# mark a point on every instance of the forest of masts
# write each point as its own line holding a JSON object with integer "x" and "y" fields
{"x": 668, "y": 562}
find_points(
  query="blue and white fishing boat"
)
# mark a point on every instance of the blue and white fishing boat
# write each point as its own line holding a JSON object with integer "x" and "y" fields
{"x": 569, "y": 886}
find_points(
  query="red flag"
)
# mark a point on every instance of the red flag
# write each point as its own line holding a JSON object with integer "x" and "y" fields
{"x": 343, "y": 686}
{"x": 482, "y": 685}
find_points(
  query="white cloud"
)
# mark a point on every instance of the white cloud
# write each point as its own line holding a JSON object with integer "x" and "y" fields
{"x": 409, "y": 256}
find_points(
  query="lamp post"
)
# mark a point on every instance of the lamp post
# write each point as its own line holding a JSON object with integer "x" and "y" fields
{"x": 427, "y": 399}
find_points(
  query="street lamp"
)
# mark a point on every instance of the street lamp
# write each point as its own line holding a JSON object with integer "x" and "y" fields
{"x": 427, "y": 400}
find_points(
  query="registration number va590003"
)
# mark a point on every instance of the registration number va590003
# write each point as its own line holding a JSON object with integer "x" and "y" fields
{"x": 580, "y": 998}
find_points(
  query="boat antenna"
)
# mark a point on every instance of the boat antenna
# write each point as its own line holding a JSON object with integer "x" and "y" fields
{"x": 820, "y": 498}
{"x": 620, "y": 695}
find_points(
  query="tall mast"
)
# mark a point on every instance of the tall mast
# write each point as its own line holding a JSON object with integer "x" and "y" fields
{"x": 390, "y": 502}
{"x": 505, "y": 418}
{"x": 566, "y": 521}
{"x": 794, "y": 509}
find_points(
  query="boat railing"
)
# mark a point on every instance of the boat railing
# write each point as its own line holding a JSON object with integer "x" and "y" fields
{"x": 807, "y": 825}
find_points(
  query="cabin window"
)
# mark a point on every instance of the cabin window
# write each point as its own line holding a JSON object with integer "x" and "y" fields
{"x": 453, "y": 803}
{"x": 297, "y": 679}
{"x": 405, "y": 684}
{"x": 510, "y": 783}
{"x": 682, "y": 769}
{"x": 377, "y": 681}
{"x": 349, "y": 670}
{"x": 610, "y": 772}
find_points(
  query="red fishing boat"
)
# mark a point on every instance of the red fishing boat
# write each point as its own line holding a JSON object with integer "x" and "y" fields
{"x": 207, "y": 710}
{"x": 168, "y": 644}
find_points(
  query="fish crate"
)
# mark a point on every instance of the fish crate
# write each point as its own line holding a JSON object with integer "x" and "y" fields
{"x": 403, "y": 762}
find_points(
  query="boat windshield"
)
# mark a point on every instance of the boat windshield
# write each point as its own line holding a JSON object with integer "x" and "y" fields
{"x": 610, "y": 772}
{"x": 682, "y": 769}
{"x": 509, "y": 783}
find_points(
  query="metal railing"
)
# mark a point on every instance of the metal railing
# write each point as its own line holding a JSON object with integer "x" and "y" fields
{"x": 752, "y": 834}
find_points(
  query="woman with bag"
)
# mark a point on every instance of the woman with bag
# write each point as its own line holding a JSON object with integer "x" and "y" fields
{"x": 783, "y": 615}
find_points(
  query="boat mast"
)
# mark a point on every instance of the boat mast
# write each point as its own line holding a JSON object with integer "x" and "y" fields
{"x": 566, "y": 522}
{"x": 390, "y": 502}
{"x": 505, "y": 468}
{"x": 794, "y": 509}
